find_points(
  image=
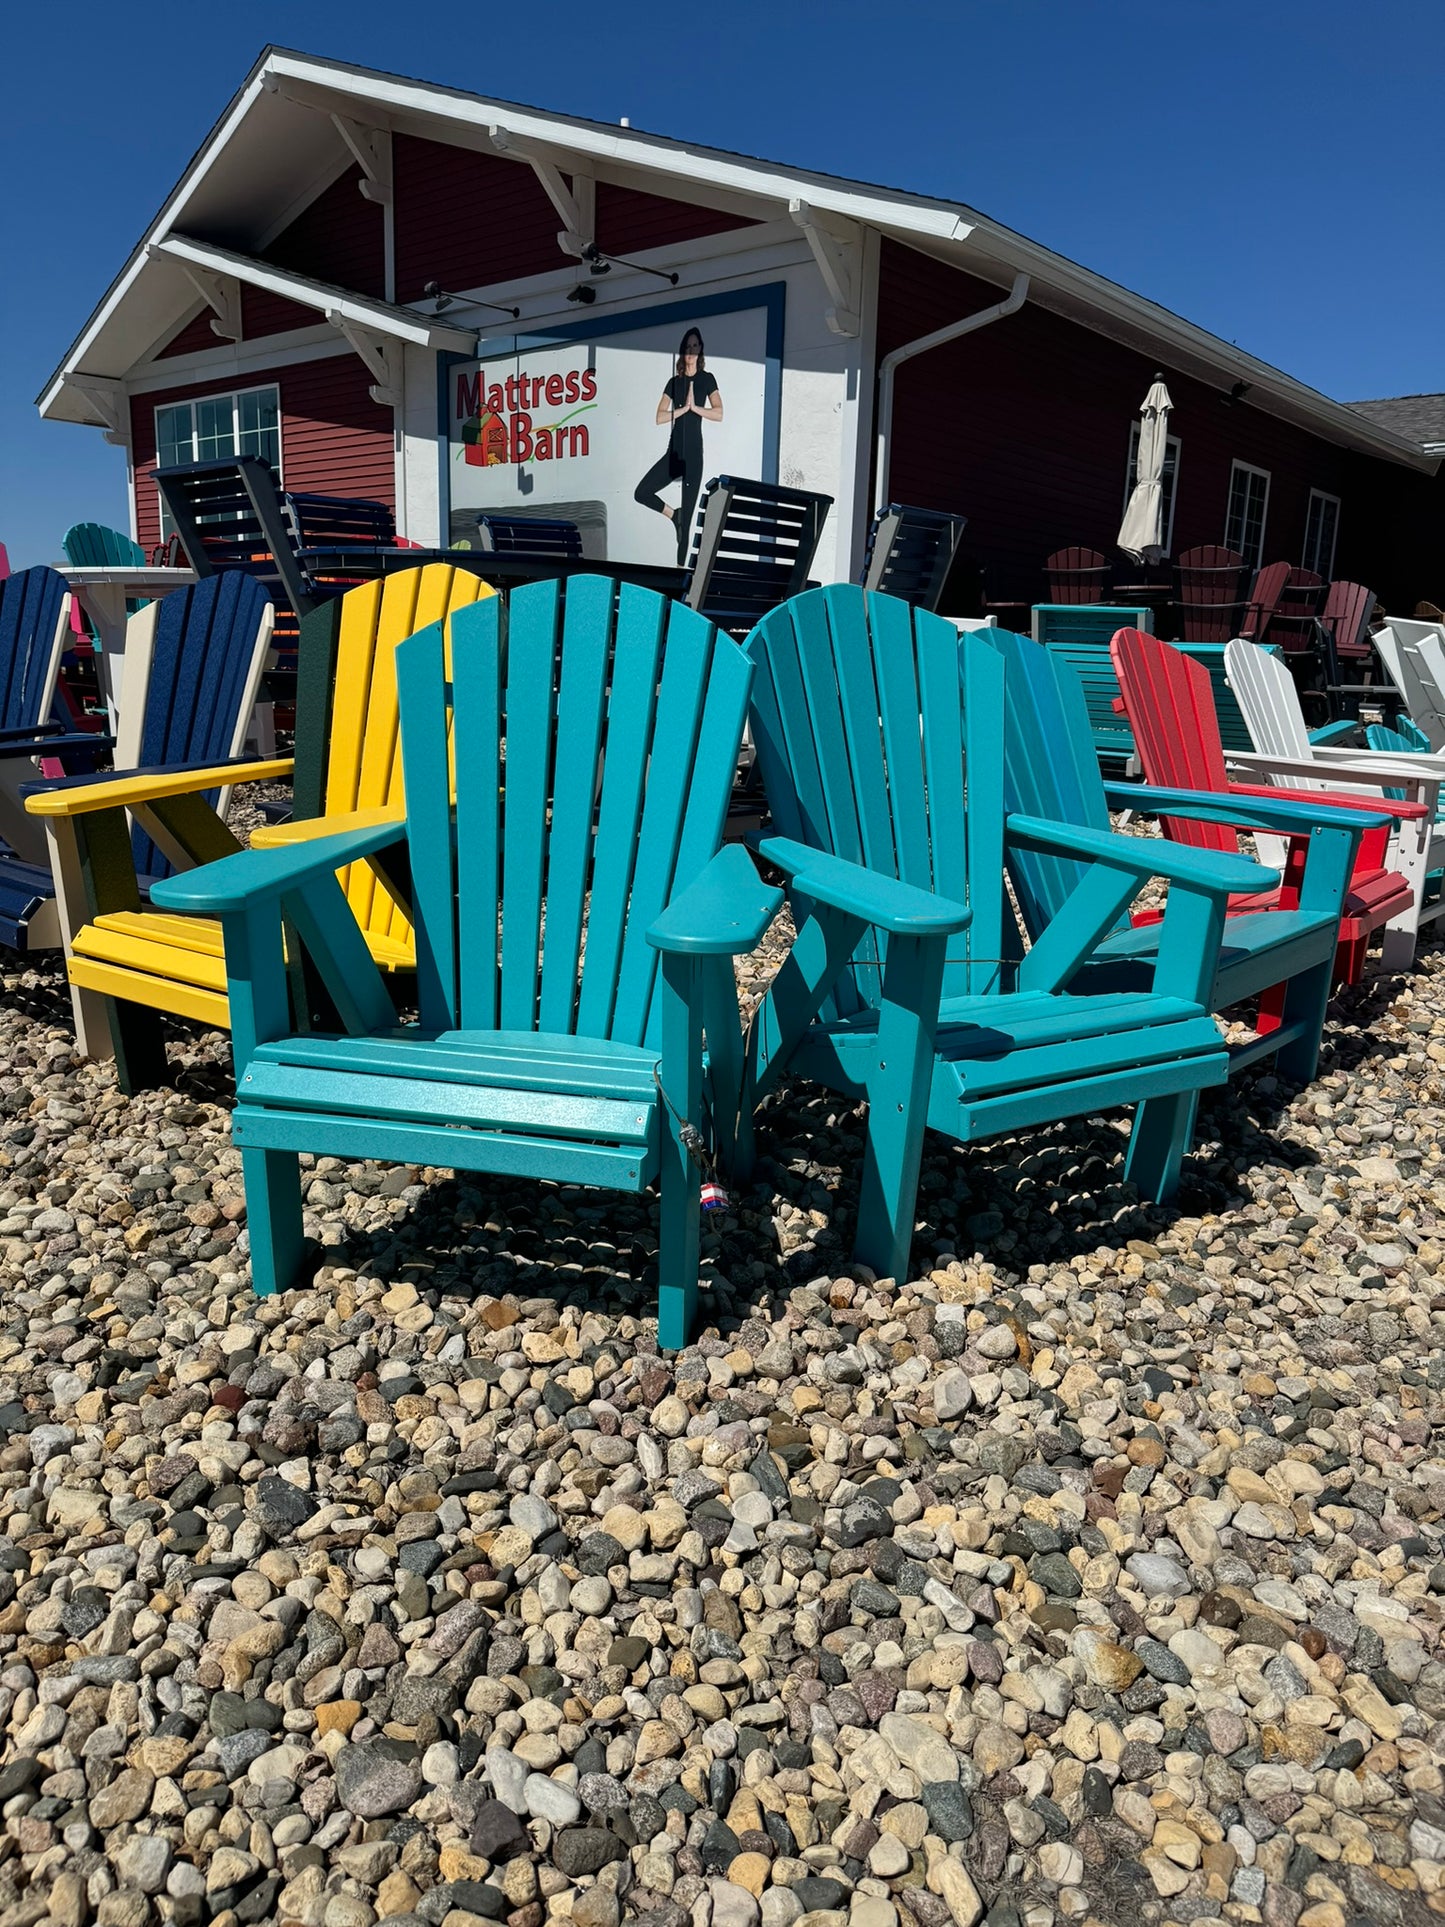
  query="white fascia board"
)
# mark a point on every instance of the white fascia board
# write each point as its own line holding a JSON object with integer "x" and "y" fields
{"x": 125, "y": 281}
{"x": 377, "y": 316}
{"x": 624, "y": 148}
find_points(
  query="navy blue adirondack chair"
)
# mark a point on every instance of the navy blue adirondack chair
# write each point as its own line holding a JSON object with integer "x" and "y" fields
{"x": 193, "y": 662}
{"x": 1051, "y": 769}
{"x": 886, "y": 779}
{"x": 34, "y": 630}
{"x": 575, "y": 917}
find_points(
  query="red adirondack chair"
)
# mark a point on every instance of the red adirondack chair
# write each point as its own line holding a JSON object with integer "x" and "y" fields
{"x": 1264, "y": 595}
{"x": 1211, "y": 601}
{"x": 1169, "y": 701}
{"x": 1345, "y": 618}
{"x": 1077, "y": 575}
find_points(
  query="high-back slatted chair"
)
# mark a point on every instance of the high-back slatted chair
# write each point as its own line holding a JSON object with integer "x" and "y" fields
{"x": 573, "y": 938}
{"x": 910, "y": 552}
{"x": 1412, "y": 652}
{"x": 93, "y": 544}
{"x": 880, "y": 735}
{"x": 1281, "y": 959}
{"x": 536, "y": 537}
{"x": 1211, "y": 600}
{"x": 193, "y": 664}
{"x": 1078, "y": 576}
{"x": 1170, "y": 704}
{"x": 35, "y": 610}
{"x": 128, "y": 961}
{"x": 755, "y": 545}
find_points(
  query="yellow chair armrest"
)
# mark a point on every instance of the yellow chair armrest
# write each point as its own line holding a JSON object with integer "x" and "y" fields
{"x": 126, "y": 792}
{"x": 273, "y": 836}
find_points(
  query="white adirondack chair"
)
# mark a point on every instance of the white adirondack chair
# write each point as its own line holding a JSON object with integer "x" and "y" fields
{"x": 1414, "y": 657}
{"x": 1284, "y": 754}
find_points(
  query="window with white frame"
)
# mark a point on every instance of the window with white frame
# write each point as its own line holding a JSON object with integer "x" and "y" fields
{"x": 1170, "y": 481}
{"x": 1248, "y": 506}
{"x": 1322, "y": 527}
{"x": 245, "y": 423}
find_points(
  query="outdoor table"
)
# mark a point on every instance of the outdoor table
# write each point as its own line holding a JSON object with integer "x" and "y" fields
{"x": 102, "y": 590}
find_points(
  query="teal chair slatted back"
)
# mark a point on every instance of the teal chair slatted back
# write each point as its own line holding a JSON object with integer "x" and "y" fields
{"x": 93, "y": 545}
{"x": 866, "y": 752}
{"x": 593, "y": 734}
{"x": 1399, "y": 743}
{"x": 1051, "y": 768}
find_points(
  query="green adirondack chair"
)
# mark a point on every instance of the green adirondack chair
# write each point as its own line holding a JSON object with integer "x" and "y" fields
{"x": 905, "y": 984}
{"x": 1285, "y": 957}
{"x": 575, "y": 915}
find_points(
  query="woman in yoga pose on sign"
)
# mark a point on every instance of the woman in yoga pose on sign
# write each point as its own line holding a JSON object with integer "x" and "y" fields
{"x": 689, "y": 399}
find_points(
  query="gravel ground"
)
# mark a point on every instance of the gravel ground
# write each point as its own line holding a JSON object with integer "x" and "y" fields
{"x": 1095, "y": 1574}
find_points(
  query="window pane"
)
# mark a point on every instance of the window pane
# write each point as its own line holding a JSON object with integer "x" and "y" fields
{"x": 261, "y": 426}
{"x": 174, "y": 435}
{"x": 1320, "y": 534}
{"x": 215, "y": 428}
{"x": 1248, "y": 499}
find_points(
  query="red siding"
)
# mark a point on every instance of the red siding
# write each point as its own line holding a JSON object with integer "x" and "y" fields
{"x": 192, "y": 337}
{"x": 335, "y": 440}
{"x": 1024, "y": 428}
{"x": 472, "y": 220}
{"x": 264, "y": 313}
{"x": 338, "y": 238}
{"x": 628, "y": 222}
{"x": 467, "y": 219}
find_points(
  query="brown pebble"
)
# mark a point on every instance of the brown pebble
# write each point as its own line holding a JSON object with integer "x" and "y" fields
{"x": 1313, "y": 1641}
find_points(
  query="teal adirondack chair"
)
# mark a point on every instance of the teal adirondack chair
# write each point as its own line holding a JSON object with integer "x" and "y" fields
{"x": 92, "y": 544}
{"x": 575, "y": 917}
{"x": 904, "y": 984}
{"x": 1286, "y": 956}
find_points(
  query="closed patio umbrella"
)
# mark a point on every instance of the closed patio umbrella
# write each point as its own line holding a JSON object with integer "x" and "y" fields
{"x": 1141, "y": 533}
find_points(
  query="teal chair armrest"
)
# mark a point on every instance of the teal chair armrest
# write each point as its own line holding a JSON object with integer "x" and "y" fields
{"x": 722, "y": 913}
{"x": 901, "y": 908}
{"x": 1212, "y": 870}
{"x": 255, "y": 876}
{"x": 1260, "y": 811}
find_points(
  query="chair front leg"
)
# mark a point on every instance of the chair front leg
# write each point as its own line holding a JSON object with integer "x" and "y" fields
{"x": 899, "y": 1082}
{"x": 273, "y": 1218}
{"x": 107, "y": 867}
{"x": 680, "y": 1072}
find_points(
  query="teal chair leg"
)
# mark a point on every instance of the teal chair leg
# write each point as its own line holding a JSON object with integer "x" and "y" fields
{"x": 1306, "y": 999}
{"x": 1163, "y": 1128}
{"x": 273, "y": 1217}
{"x": 679, "y": 1245}
{"x": 898, "y": 1103}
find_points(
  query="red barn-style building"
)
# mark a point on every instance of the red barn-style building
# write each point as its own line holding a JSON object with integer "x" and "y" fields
{"x": 332, "y": 281}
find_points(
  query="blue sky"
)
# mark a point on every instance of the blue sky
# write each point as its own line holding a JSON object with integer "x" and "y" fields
{"x": 1269, "y": 169}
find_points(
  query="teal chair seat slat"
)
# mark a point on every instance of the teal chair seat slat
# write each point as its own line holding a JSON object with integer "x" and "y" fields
{"x": 462, "y": 1082}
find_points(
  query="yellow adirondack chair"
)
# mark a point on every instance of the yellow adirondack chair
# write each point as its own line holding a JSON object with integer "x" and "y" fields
{"x": 128, "y": 961}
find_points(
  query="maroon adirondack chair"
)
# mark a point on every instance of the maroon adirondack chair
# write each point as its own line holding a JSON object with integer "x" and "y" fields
{"x": 1210, "y": 593}
{"x": 1294, "y": 622}
{"x": 1169, "y": 701}
{"x": 1264, "y": 594}
{"x": 1078, "y": 575}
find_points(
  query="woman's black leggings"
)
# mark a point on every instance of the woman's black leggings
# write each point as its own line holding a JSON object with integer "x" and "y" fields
{"x": 672, "y": 467}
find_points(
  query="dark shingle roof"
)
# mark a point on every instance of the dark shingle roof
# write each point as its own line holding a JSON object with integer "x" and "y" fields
{"x": 1419, "y": 418}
